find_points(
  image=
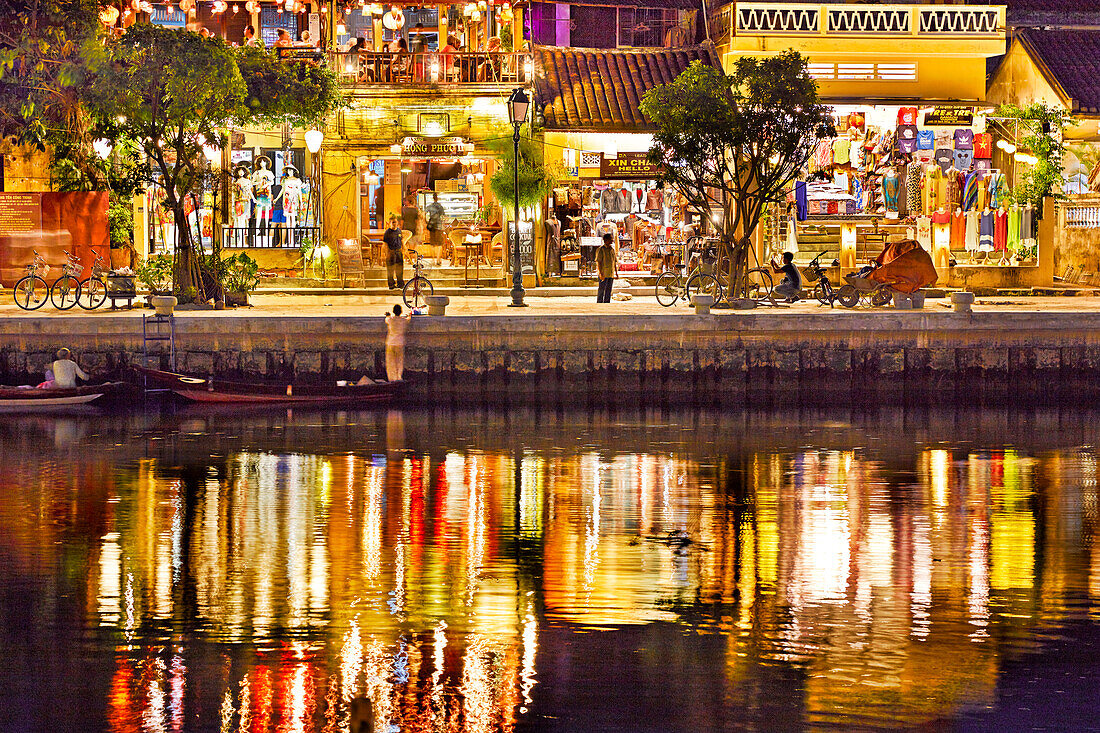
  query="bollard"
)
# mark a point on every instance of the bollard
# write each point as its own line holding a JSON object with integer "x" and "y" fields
{"x": 437, "y": 304}
{"x": 918, "y": 299}
{"x": 962, "y": 301}
{"x": 702, "y": 303}
{"x": 902, "y": 301}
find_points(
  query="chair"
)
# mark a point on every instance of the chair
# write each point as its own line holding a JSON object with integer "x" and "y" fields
{"x": 457, "y": 236}
{"x": 495, "y": 246}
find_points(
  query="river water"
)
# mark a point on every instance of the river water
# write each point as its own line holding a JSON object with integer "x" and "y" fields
{"x": 615, "y": 570}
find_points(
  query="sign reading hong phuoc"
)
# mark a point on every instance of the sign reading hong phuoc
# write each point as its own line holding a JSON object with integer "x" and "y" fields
{"x": 434, "y": 146}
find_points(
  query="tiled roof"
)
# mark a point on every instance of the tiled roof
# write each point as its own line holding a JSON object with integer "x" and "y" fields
{"x": 598, "y": 90}
{"x": 1035, "y": 13}
{"x": 1071, "y": 59}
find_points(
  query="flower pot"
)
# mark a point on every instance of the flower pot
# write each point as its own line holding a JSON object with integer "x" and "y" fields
{"x": 238, "y": 299}
{"x": 120, "y": 258}
{"x": 164, "y": 304}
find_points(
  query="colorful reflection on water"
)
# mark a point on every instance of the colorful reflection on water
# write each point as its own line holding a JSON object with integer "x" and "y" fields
{"x": 470, "y": 572}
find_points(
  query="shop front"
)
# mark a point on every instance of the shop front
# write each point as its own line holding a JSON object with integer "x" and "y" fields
{"x": 610, "y": 187}
{"x": 918, "y": 171}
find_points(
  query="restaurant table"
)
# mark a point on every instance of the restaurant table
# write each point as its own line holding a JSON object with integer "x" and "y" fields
{"x": 473, "y": 241}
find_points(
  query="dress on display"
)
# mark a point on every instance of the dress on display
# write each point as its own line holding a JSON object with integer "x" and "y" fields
{"x": 958, "y": 229}
{"x": 912, "y": 189}
{"x": 972, "y": 221}
{"x": 985, "y": 231}
{"x": 1013, "y": 240}
{"x": 1000, "y": 230}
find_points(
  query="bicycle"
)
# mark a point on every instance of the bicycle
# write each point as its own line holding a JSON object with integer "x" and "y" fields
{"x": 419, "y": 287}
{"x": 823, "y": 292}
{"x": 30, "y": 285}
{"x": 65, "y": 291}
{"x": 672, "y": 285}
{"x": 93, "y": 289}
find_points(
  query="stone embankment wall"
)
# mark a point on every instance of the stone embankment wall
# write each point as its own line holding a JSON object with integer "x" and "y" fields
{"x": 889, "y": 353}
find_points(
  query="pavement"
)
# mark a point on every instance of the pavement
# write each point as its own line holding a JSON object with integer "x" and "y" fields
{"x": 278, "y": 304}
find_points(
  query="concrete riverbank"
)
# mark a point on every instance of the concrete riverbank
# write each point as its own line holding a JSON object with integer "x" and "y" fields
{"x": 1006, "y": 352}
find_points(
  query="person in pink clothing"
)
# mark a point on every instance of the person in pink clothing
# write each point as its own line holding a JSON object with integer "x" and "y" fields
{"x": 396, "y": 325}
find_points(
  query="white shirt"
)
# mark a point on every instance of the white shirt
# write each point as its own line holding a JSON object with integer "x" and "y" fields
{"x": 65, "y": 372}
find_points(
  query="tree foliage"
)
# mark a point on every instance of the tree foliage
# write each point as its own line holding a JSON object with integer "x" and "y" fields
{"x": 536, "y": 178}
{"x": 1040, "y": 129}
{"x": 730, "y": 144}
{"x": 286, "y": 90}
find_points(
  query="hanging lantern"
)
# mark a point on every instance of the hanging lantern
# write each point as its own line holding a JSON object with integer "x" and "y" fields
{"x": 109, "y": 15}
{"x": 394, "y": 19}
{"x": 146, "y": 7}
{"x": 219, "y": 6}
{"x": 236, "y": 8}
{"x": 187, "y": 5}
{"x": 482, "y": 6}
{"x": 505, "y": 15}
{"x": 475, "y": 17}
{"x": 469, "y": 9}
{"x": 377, "y": 9}
{"x": 168, "y": 9}
{"x": 135, "y": 5}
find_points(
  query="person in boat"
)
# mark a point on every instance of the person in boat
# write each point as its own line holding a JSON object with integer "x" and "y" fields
{"x": 396, "y": 324}
{"x": 65, "y": 370}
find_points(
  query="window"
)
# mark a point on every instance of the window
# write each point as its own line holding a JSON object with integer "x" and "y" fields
{"x": 272, "y": 19}
{"x": 645, "y": 27}
{"x": 862, "y": 72}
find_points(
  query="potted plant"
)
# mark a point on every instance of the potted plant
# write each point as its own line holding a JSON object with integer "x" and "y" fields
{"x": 120, "y": 229}
{"x": 155, "y": 273}
{"x": 241, "y": 278}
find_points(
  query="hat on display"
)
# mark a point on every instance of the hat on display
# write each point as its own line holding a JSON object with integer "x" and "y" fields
{"x": 242, "y": 169}
{"x": 288, "y": 167}
{"x": 261, "y": 159}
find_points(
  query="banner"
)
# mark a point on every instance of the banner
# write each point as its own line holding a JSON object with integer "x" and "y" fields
{"x": 629, "y": 165}
{"x": 949, "y": 117}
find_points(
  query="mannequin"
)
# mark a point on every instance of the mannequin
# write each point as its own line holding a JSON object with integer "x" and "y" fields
{"x": 242, "y": 202}
{"x": 985, "y": 231}
{"x": 890, "y": 183}
{"x": 924, "y": 232}
{"x": 291, "y": 196}
{"x": 262, "y": 181}
{"x": 958, "y": 229}
{"x": 941, "y": 238}
{"x": 1000, "y": 233}
{"x": 972, "y": 221}
{"x": 792, "y": 230}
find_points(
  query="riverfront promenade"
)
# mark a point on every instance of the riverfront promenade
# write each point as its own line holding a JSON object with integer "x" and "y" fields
{"x": 567, "y": 347}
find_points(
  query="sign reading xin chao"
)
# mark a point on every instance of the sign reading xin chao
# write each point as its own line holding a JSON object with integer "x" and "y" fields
{"x": 628, "y": 165}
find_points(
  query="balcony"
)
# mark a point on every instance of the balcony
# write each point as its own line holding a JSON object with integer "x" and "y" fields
{"x": 365, "y": 72}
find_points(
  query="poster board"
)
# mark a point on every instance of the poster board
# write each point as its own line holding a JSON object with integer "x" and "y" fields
{"x": 350, "y": 260}
{"x": 526, "y": 245}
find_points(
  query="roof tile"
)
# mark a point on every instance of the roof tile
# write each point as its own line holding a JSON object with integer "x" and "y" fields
{"x": 1073, "y": 58}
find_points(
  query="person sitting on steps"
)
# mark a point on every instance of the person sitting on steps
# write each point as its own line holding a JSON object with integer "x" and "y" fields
{"x": 790, "y": 287}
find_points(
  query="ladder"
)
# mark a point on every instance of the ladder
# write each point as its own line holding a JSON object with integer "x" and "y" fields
{"x": 155, "y": 330}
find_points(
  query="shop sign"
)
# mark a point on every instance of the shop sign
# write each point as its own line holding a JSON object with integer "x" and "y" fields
{"x": 428, "y": 146}
{"x": 393, "y": 173}
{"x": 526, "y": 245}
{"x": 20, "y": 212}
{"x": 949, "y": 117}
{"x": 629, "y": 165}
{"x": 241, "y": 156}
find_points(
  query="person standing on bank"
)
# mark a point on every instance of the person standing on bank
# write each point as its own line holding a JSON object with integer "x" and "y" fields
{"x": 395, "y": 260}
{"x": 607, "y": 267}
{"x": 396, "y": 325}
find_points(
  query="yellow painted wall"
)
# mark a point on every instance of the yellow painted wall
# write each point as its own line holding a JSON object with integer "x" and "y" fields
{"x": 1019, "y": 81}
{"x": 26, "y": 170}
{"x": 340, "y": 191}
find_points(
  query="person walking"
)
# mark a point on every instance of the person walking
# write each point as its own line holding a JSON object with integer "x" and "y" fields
{"x": 433, "y": 223}
{"x": 607, "y": 267}
{"x": 396, "y": 325}
{"x": 395, "y": 260}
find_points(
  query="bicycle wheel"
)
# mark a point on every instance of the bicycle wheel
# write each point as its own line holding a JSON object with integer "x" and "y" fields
{"x": 65, "y": 292}
{"x": 93, "y": 292}
{"x": 848, "y": 296}
{"x": 881, "y": 297}
{"x": 416, "y": 290}
{"x": 704, "y": 284}
{"x": 759, "y": 284}
{"x": 668, "y": 289}
{"x": 31, "y": 293}
{"x": 824, "y": 293}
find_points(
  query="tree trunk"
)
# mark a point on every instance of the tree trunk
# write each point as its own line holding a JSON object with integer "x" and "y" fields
{"x": 186, "y": 273}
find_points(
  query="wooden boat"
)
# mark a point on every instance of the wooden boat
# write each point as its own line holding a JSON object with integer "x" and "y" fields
{"x": 209, "y": 389}
{"x": 32, "y": 398}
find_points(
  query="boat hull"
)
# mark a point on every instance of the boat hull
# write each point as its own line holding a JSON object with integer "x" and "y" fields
{"x": 205, "y": 390}
{"x": 16, "y": 398}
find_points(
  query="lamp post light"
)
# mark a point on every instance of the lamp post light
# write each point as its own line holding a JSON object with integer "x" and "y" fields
{"x": 518, "y": 104}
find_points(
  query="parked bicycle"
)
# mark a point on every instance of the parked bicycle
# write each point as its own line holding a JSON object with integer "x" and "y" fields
{"x": 419, "y": 287}
{"x": 65, "y": 291}
{"x": 93, "y": 289}
{"x": 823, "y": 291}
{"x": 31, "y": 292}
{"x": 694, "y": 276}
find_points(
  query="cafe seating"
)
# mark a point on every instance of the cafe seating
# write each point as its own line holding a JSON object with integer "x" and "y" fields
{"x": 496, "y": 249}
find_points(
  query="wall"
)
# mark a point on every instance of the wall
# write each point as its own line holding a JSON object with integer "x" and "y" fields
{"x": 1018, "y": 81}
{"x": 736, "y": 355}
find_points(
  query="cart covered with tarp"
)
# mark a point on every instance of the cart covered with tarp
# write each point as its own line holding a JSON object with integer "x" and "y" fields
{"x": 905, "y": 266}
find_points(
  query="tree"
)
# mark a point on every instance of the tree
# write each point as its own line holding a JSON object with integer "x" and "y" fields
{"x": 174, "y": 92}
{"x": 1039, "y": 129}
{"x": 730, "y": 144}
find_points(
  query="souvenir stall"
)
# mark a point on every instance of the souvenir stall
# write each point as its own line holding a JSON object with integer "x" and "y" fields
{"x": 617, "y": 195}
{"x": 925, "y": 173}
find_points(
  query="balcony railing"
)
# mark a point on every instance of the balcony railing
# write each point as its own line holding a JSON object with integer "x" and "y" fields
{"x": 798, "y": 19}
{"x": 443, "y": 69}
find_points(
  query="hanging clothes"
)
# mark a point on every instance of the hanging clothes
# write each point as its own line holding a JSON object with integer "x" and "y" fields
{"x": 972, "y": 222}
{"x": 953, "y": 189}
{"x": 985, "y": 231}
{"x": 800, "y": 200}
{"x": 1000, "y": 230}
{"x": 958, "y": 229}
{"x": 912, "y": 189}
{"x": 970, "y": 191}
{"x": 996, "y": 189}
{"x": 890, "y": 185}
{"x": 924, "y": 232}
{"x": 1013, "y": 241}
{"x": 1027, "y": 226}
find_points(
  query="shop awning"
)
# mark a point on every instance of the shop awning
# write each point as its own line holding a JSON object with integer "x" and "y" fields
{"x": 592, "y": 90}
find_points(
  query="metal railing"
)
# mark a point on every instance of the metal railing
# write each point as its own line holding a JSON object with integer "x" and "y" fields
{"x": 269, "y": 237}
{"x": 412, "y": 69}
{"x": 763, "y": 18}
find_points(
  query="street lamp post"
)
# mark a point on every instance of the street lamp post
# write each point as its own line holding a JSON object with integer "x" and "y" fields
{"x": 517, "y": 113}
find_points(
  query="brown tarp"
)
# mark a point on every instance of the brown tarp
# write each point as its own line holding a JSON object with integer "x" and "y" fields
{"x": 905, "y": 266}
